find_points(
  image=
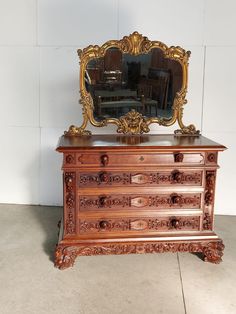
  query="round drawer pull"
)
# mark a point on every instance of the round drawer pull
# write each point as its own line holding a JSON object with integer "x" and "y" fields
{"x": 176, "y": 199}
{"x": 102, "y": 201}
{"x": 176, "y": 176}
{"x": 175, "y": 223}
{"x": 104, "y": 177}
{"x": 103, "y": 224}
{"x": 178, "y": 157}
{"x": 104, "y": 160}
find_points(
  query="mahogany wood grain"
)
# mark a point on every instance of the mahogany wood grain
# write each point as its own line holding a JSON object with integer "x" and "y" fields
{"x": 138, "y": 194}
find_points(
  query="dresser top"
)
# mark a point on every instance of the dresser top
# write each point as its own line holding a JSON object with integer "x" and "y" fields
{"x": 160, "y": 141}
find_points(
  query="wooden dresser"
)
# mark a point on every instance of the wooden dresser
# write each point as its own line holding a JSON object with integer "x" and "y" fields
{"x": 138, "y": 194}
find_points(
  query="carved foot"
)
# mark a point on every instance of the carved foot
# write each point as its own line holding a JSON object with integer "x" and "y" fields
{"x": 64, "y": 257}
{"x": 213, "y": 252}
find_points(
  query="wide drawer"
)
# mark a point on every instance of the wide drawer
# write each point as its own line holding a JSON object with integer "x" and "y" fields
{"x": 147, "y": 201}
{"x": 109, "y": 159}
{"x": 139, "y": 225}
{"x": 154, "y": 178}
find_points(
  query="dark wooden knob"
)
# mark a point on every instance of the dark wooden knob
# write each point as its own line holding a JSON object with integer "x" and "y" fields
{"x": 176, "y": 199}
{"x": 104, "y": 177}
{"x": 175, "y": 223}
{"x": 104, "y": 160}
{"x": 177, "y": 176}
{"x": 178, "y": 157}
{"x": 102, "y": 201}
{"x": 103, "y": 224}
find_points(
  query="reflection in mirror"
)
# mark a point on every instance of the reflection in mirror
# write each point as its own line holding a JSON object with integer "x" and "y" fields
{"x": 120, "y": 82}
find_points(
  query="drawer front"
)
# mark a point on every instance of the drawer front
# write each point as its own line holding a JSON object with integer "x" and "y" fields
{"x": 106, "y": 159}
{"x": 106, "y": 178}
{"x": 151, "y": 201}
{"x": 138, "y": 225}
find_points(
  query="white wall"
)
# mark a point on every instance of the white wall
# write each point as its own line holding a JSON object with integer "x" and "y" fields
{"x": 39, "y": 87}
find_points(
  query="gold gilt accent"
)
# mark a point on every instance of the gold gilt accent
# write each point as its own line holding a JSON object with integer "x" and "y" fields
{"x": 74, "y": 131}
{"x": 133, "y": 122}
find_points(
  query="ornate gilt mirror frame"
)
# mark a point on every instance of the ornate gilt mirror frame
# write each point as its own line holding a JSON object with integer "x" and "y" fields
{"x": 133, "y": 122}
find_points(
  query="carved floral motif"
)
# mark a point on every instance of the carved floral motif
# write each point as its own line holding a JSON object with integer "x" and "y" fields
{"x": 212, "y": 157}
{"x": 175, "y": 177}
{"x": 209, "y": 199}
{"x": 70, "y": 202}
{"x": 160, "y": 224}
{"x": 70, "y": 158}
{"x": 210, "y": 184}
{"x": 65, "y": 255}
{"x": 207, "y": 222}
{"x": 166, "y": 201}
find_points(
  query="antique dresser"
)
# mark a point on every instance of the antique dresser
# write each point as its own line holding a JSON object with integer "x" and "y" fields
{"x": 133, "y": 192}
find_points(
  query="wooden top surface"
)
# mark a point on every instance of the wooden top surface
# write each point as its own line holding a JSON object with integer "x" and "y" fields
{"x": 160, "y": 141}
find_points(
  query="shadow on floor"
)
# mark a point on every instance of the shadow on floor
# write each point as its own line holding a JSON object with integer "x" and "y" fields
{"x": 48, "y": 217}
{"x": 199, "y": 255}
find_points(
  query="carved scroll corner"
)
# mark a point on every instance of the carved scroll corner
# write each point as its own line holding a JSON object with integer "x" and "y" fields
{"x": 213, "y": 252}
{"x": 133, "y": 123}
{"x": 76, "y": 131}
{"x": 187, "y": 130}
{"x": 64, "y": 257}
{"x": 79, "y": 52}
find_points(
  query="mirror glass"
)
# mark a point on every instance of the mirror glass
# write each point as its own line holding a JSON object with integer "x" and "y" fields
{"x": 121, "y": 82}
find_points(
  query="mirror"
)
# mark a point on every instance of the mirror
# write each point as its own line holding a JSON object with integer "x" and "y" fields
{"x": 132, "y": 83}
{"x": 146, "y": 83}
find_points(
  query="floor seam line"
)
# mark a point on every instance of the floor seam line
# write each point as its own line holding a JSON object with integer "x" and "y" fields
{"x": 182, "y": 286}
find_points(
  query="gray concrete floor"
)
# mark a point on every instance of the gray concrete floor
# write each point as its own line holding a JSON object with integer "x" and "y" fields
{"x": 158, "y": 283}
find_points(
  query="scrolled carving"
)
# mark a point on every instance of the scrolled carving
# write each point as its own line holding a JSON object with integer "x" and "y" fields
{"x": 129, "y": 224}
{"x": 175, "y": 177}
{"x": 207, "y": 222}
{"x": 188, "y": 130}
{"x": 65, "y": 256}
{"x": 210, "y": 185}
{"x": 164, "y": 201}
{"x": 69, "y": 181}
{"x": 133, "y": 44}
{"x": 70, "y": 202}
{"x": 76, "y": 131}
{"x": 133, "y": 122}
{"x": 209, "y": 199}
{"x": 212, "y": 250}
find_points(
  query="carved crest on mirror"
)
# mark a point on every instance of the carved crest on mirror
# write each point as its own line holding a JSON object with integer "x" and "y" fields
{"x": 132, "y": 83}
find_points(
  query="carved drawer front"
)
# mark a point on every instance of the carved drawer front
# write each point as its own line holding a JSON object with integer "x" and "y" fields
{"x": 150, "y": 224}
{"x": 104, "y": 159}
{"x": 106, "y": 178}
{"x": 151, "y": 201}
